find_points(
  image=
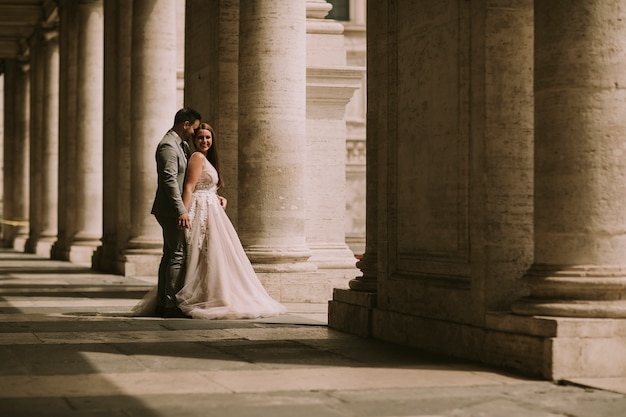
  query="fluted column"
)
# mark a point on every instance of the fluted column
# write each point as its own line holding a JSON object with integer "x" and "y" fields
{"x": 89, "y": 109}
{"x": 579, "y": 265}
{"x": 272, "y": 99}
{"x": 153, "y": 105}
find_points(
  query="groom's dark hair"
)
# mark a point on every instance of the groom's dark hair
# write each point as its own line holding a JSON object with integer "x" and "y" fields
{"x": 186, "y": 114}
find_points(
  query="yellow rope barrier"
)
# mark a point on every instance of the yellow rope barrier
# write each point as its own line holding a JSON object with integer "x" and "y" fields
{"x": 14, "y": 222}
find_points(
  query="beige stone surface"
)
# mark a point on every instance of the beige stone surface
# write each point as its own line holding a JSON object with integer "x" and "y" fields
{"x": 68, "y": 346}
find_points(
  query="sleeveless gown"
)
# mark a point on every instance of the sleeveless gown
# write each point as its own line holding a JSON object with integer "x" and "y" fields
{"x": 220, "y": 282}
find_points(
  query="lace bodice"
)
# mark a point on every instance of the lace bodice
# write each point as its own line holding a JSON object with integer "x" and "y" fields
{"x": 208, "y": 179}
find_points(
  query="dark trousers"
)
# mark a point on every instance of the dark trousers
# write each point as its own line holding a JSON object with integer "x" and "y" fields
{"x": 172, "y": 267}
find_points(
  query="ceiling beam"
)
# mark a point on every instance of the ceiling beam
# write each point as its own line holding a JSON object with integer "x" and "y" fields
{"x": 20, "y": 15}
{"x": 9, "y": 49}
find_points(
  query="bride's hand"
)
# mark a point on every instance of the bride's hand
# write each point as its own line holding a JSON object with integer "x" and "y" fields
{"x": 223, "y": 201}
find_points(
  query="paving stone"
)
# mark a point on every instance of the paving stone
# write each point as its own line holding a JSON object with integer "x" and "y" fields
{"x": 70, "y": 347}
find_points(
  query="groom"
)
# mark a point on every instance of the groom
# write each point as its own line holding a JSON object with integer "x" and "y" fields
{"x": 171, "y": 159}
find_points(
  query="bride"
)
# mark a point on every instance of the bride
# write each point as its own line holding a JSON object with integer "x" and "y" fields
{"x": 220, "y": 282}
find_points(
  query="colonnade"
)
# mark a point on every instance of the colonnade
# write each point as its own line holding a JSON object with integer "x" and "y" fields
{"x": 540, "y": 285}
{"x": 94, "y": 125}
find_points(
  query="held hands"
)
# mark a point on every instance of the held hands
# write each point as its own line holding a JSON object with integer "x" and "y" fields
{"x": 183, "y": 221}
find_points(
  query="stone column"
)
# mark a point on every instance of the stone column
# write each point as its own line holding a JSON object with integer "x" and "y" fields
{"x": 579, "y": 265}
{"x": 9, "y": 142}
{"x": 350, "y": 310}
{"x": 49, "y": 127}
{"x": 211, "y": 81}
{"x": 272, "y": 143}
{"x": 36, "y": 152}
{"x": 116, "y": 134}
{"x": 330, "y": 85}
{"x": 272, "y": 98}
{"x": 68, "y": 45}
{"x": 153, "y": 105}
{"x": 21, "y": 168}
{"x": 376, "y": 69}
{"x": 89, "y": 109}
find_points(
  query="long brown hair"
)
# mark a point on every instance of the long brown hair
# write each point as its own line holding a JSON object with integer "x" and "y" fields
{"x": 211, "y": 154}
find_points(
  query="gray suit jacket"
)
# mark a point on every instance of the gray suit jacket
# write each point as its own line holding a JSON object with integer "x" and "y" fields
{"x": 171, "y": 166}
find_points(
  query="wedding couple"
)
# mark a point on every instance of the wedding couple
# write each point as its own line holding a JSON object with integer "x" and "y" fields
{"x": 204, "y": 272}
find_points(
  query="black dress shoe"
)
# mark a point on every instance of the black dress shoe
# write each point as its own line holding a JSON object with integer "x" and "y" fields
{"x": 174, "y": 312}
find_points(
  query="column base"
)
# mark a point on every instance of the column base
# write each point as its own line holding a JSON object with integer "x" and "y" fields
{"x": 40, "y": 247}
{"x": 351, "y": 311}
{"x": 82, "y": 254}
{"x": 140, "y": 263}
{"x": 296, "y": 287}
{"x": 555, "y": 348}
{"x": 584, "y": 291}
{"x": 364, "y": 283}
{"x": 105, "y": 259}
{"x": 564, "y": 347}
{"x": 19, "y": 243}
{"x": 333, "y": 257}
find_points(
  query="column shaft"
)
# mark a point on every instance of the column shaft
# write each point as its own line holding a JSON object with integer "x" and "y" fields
{"x": 377, "y": 70}
{"x": 21, "y": 168}
{"x": 9, "y": 147}
{"x": 152, "y": 109}
{"x": 50, "y": 135}
{"x": 211, "y": 81}
{"x": 330, "y": 86}
{"x": 272, "y": 114}
{"x": 580, "y": 161}
{"x": 89, "y": 113}
{"x": 36, "y": 152}
{"x": 68, "y": 58}
{"x": 116, "y": 135}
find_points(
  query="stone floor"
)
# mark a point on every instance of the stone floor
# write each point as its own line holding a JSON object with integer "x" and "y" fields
{"x": 69, "y": 347}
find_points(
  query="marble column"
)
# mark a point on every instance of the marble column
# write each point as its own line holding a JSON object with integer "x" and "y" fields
{"x": 89, "y": 109}
{"x": 152, "y": 109}
{"x": 330, "y": 86}
{"x": 116, "y": 134}
{"x": 579, "y": 265}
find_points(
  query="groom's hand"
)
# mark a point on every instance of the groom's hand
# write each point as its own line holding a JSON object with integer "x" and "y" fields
{"x": 184, "y": 222}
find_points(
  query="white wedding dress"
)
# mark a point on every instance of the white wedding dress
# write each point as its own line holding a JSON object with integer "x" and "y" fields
{"x": 220, "y": 282}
